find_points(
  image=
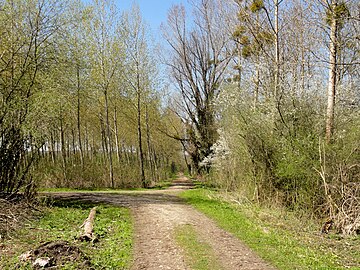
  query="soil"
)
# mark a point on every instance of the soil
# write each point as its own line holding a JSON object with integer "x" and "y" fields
{"x": 156, "y": 215}
{"x": 56, "y": 254}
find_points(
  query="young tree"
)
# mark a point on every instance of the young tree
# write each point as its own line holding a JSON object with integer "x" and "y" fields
{"x": 106, "y": 55}
{"x": 28, "y": 28}
{"x": 140, "y": 69}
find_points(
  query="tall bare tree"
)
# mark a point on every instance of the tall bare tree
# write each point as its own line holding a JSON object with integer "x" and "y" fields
{"x": 199, "y": 60}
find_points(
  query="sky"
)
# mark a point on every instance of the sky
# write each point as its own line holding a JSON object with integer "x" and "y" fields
{"x": 154, "y": 12}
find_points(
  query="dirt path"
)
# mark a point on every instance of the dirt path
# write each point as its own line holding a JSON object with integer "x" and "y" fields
{"x": 156, "y": 215}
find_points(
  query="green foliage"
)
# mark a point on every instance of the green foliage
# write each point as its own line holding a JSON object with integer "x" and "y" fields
{"x": 23, "y": 54}
{"x": 339, "y": 12}
{"x": 256, "y": 5}
{"x": 265, "y": 37}
{"x": 67, "y": 92}
{"x": 247, "y": 51}
{"x": 244, "y": 40}
{"x": 113, "y": 226}
{"x": 239, "y": 31}
{"x": 278, "y": 239}
{"x": 242, "y": 15}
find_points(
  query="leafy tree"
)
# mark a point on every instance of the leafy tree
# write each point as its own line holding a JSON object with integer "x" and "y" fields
{"x": 28, "y": 29}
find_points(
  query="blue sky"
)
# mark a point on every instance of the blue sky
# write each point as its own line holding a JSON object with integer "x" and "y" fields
{"x": 154, "y": 12}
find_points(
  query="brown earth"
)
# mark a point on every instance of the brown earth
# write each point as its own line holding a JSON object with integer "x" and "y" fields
{"x": 157, "y": 214}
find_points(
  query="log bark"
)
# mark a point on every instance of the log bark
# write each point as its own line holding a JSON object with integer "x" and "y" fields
{"x": 88, "y": 226}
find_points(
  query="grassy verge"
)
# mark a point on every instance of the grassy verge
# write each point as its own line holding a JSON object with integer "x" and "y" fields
{"x": 199, "y": 254}
{"x": 61, "y": 222}
{"x": 278, "y": 238}
{"x": 157, "y": 186}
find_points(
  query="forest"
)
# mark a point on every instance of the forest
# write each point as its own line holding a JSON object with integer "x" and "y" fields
{"x": 260, "y": 98}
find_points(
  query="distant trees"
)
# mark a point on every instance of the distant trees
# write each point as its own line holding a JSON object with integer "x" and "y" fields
{"x": 199, "y": 60}
{"x": 267, "y": 99}
{"x": 28, "y": 29}
{"x": 140, "y": 79}
{"x": 274, "y": 107}
{"x": 79, "y": 97}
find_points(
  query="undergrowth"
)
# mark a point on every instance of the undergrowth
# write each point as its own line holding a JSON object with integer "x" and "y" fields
{"x": 61, "y": 222}
{"x": 279, "y": 237}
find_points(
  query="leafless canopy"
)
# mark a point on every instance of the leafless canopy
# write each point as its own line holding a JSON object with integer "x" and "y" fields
{"x": 199, "y": 60}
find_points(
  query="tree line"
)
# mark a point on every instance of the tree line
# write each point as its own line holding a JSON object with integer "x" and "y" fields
{"x": 269, "y": 98}
{"x": 80, "y": 98}
{"x": 264, "y": 99}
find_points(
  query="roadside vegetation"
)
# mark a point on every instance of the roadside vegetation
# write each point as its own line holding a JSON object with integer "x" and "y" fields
{"x": 278, "y": 235}
{"x": 259, "y": 99}
{"x": 60, "y": 225}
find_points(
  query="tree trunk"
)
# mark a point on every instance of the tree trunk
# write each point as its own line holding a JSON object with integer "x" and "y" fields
{"x": 103, "y": 137}
{"x": 332, "y": 74}
{"x": 78, "y": 118}
{"x": 118, "y": 151}
{"x": 141, "y": 153}
{"x": 108, "y": 140}
{"x": 149, "y": 148}
{"x": 277, "y": 53}
{"x": 73, "y": 144}
{"x": 52, "y": 147}
{"x": 63, "y": 148}
{"x": 257, "y": 84}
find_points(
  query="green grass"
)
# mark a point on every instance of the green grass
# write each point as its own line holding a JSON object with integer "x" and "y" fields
{"x": 279, "y": 244}
{"x": 199, "y": 254}
{"x": 94, "y": 190}
{"x": 113, "y": 226}
{"x": 157, "y": 186}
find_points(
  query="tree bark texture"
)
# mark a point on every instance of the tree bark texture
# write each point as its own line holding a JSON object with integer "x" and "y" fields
{"x": 330, "y": 112}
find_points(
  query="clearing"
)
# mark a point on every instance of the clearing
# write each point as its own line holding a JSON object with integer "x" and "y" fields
{"x": 157, "y": 215}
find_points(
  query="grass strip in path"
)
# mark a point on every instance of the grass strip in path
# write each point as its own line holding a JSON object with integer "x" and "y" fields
{"x": 113, "y": 226}
{"x": 199, "y": 254}
{"x": 277, "y": 246}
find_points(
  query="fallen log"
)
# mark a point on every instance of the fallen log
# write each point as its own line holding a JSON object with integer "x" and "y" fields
{"x": 88, "y": 225}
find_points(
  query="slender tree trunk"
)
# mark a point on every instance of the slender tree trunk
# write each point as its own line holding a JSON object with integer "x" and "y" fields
{"x": 52, "y": 147}
{"x": 103, "y": 137}
{"x": 277, "y": 52}
{"x": 68, "y": 150}
{"x": 94, "y": 148}
{"x": 141, "y": 153}
{"x": 78, "y": 118}
{"x": 303, "y": 60}
{"x": 332, "y": 74}
{"x": 73, "y": 146}
{"x": 63, "y": 148}
{"x": 118, "y": 151}
{"x": 108, "y": 140}
{"x": 257, "y": 84}
{"x": 257, "y": 79}
{"x": 149, "y": 148}
{"x": 239, "y": 67}
{"x": 87, "y": 143}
